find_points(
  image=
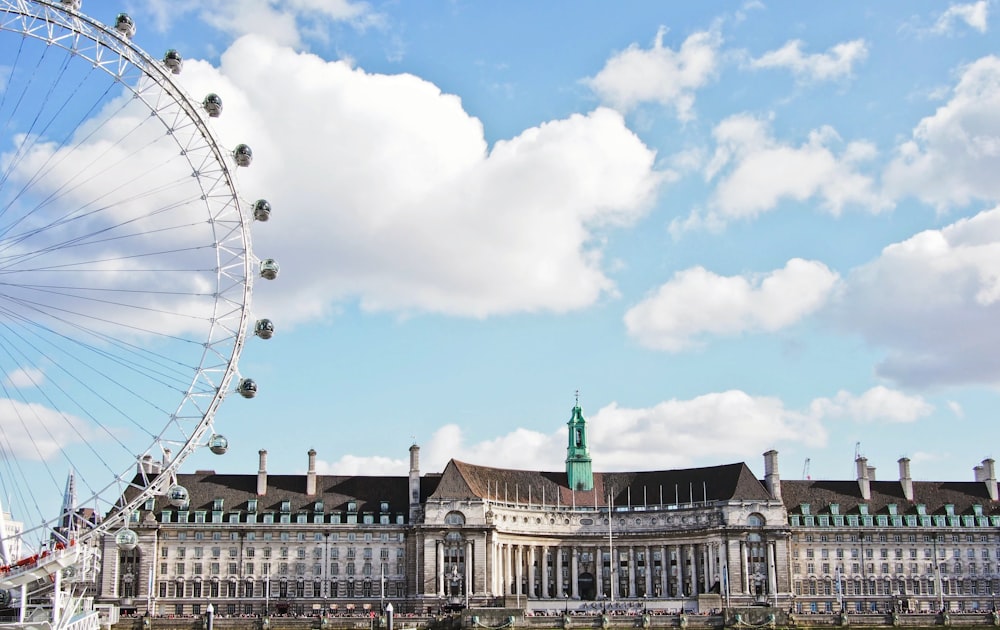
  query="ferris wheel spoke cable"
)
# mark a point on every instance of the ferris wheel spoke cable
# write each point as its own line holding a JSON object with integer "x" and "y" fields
{"x": 82, "y": 177}
{"x": 167, "y": 372}
{"x": 91, "y": 237}
{"x": 58, "y": 363}
{"x": 31, "y": 137}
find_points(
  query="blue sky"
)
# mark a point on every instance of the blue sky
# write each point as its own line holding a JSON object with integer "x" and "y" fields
{"x": 730, "y": 227}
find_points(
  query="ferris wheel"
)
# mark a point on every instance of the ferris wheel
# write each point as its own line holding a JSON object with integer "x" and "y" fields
{"x": 126, "y": 275}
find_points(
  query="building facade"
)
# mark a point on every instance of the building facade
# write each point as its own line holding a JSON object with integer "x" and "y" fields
{"x": 677, "y": 540}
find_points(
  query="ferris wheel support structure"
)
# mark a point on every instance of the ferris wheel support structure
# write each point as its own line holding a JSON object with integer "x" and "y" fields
{"x": 73, "y": 296}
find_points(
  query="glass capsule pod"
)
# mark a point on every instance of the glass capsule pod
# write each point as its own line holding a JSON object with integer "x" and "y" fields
{"x": 173, "y": 61}
{"x": 126, "y": 539}
{"x": 262, "y": 210}
{"x": 269, "y": 269}
{"x": 212, "y": 104}
{"x": 247, "y": 388}
{"x": 178, "y": 495}
{"x": 218, "y": 444}
{"x": 5, "y": 598}
{"x": 125, "y": 25}
{"x": 243, "y": 155}
{"x": 264, "y": 328}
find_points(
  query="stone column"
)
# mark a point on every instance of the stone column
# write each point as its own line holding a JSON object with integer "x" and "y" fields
{"x": 440, "y": 568}
{"x": 574, "y": 572}
{"x": 648, "y": 564}
{"x": 631, "y": 571}
{"x": 713, "y": 552}
{"x": 543, "y": 586}
{"x": 664, "y": 572}
{"x": 614, "y": 568}
{"x": 518, "y": 570}
{"x": 679, "y": 569}
{"x": 559, "y": 573}
{"x": 693, "y": 549}
{"x": 531, "y": 571}
{"x": 772, "y": 578}
{"x": 508, "y": 579}
{"x": 470, "y": 586}
{"x": 745, "y": 566}
{"x": 599, "y": 572}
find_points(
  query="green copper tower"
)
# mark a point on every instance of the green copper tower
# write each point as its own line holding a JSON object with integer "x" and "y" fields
{"x": 579, "y": 474}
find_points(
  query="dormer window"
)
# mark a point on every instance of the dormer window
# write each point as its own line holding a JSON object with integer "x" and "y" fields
{"x": 252, "y": 506}
{"x": 383, "y": 506}
{"x": 352, "y": 506}
{"x": 318, "y": 508}
{"x": 217, "y": 505}
{"x": 286, "y": 506}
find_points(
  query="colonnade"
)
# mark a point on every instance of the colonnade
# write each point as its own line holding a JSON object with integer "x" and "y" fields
{"x": 654, "y": 569}
{"x": 679, "y": 570}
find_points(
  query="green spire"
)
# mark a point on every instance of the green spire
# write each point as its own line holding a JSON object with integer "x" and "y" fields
{"x": 579, "y": 474}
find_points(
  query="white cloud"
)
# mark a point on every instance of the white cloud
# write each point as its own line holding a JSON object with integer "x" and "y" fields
{"x": 954, "y": 155}
{"x": 659, "y": 74}
{"x": 25, "y": 377}
{"x": 697, "y": 303}
{"x": 878, "y": 404}
{"x": 756, "y": 172}
{"x": 384, "y": 190}
{"x": 974, "y": 15}
{"x": 838, "y": 62}
{"x": 703, "y": 431}
{"x": 933, "y": 302}
{"x": 287, "y": 23}
{"x": 36, "y": 432}
{"x": 359, "y": 465}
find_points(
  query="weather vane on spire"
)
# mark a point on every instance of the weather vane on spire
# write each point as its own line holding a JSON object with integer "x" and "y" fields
{"x": 577, "y": 398}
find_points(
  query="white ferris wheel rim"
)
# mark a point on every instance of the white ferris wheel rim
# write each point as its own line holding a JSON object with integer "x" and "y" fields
{"x": 184, "y": 429}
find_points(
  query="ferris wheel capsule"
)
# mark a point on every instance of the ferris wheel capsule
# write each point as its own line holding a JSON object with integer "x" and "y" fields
{"x": 212, "y": 104}
{"x": 173, "y": 60}
{"x": 243, "y": 155}
{"x": 262, "y": 210}
{"x": 247, "y": 388}
{"x": 218, "y": 444}
{"x": 126, "y": 539}
{"x": 125, "y": 25}
{"x": 269, "y": 269}
{"x": 5, "y": 598}
{"x": 178, "y": 495}
{"x": 264, "y": 328}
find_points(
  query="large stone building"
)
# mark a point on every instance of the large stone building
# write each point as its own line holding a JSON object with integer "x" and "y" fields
{"x": 692, "y": 539}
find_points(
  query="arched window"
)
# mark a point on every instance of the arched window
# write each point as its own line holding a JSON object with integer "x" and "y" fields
{"x": 755, "y": 520}
{"x": 454, "y": 518}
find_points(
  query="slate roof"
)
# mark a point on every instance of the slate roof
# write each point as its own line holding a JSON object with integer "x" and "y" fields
{"x": 462, "y": 480}
{"x": 204, "y": 487}
{"x": 847, "y": 494}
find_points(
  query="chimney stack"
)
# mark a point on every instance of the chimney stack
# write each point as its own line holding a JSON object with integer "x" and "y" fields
{"x": 311, "y": 474}
{"x": 772, "y": 481}
{"x": 166, "y": 458}
{"x": 863, "y": 481}
{"x": 904, "y": 478}
{"x": 414, "y": 482}
{"x": 262, "y": 474}
{"x": 990, "y": 477}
